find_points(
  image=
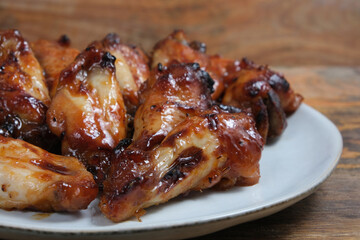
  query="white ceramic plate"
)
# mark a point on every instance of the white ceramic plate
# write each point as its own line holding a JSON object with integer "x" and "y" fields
{"x": 291, "y": 169}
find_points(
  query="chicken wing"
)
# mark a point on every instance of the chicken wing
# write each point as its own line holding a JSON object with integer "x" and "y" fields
{"x": 269, "y": 105}
{"x": 32, "y": 178}
{"x": 264, "y": 93}
{"x": 180, "y": 144}
{"x": 24, "y": 97}
{"x": 132, "y": 68}
{"x": 54, "y": 56}
{"x": 214, "y": 149}
{"x": 177, "y": 47}
{"x": 289, "y": 100}
{"x": 174, "y": 93}
{"x": 88, "y": 110}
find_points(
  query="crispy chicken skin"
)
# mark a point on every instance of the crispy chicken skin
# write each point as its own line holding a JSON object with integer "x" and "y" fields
{"x": 178, "y": 47}
{"x": 264, "y": 93}
{"x": 88, "y": 110}
{"x": 24, "y": 97}
{"x": 32, "y": 178}
{"x": 54, "y": 56}
{"x": 289, "y": 100}
{"x": 132, "y": 68}
{"x": 173, "y": 93}
{"x": 181, "y": 143}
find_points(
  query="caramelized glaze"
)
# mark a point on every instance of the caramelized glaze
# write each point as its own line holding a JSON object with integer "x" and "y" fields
{"x": 174, "y": 93}
{"x": 256, "y": 89}
{"x": 34, "y": 179}
{"x": 177, "y": 47}
{"x": 289, "y": 100}
{"x": 264, "y": 93}
{"x": 88, "y": 111}
{"x": 24, "y": 98}
{"x": 132, "y": 68}
{"x": 54, "y": 56}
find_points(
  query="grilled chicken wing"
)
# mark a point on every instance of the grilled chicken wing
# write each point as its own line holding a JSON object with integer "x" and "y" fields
{"x": 32, "y": 178}
{"x": 174, "y": 93}
{"x": 24, "y": 97}
{"x": 88, "y": 110}
{"x": 132, "y": 68}
{"x": 264, "y": 93}
{"x": 267, "y": 94}
{"x": 213, "y": 149}
{"x": 177, "y": 47}
{"x": 289, "y": 100}
{"x": 54, "y": 56}
{"x": 180, "y": 144}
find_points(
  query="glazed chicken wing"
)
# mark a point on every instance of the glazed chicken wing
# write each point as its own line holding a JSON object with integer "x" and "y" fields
{"x": 177, "y": 47}
{"x": 54, "y": 56}
{"x": 180, "y": 144}
{"x": 88, "y": 110}
{"x": 173, "y": 93}
{"x": 132, "y": 68}
{"x": 24, "y": 97}
{"x": 32, "y": 178}
{"x": 264, "y": 93}
{"x": 289, "y": 100}
{"x": 219, "y": 149}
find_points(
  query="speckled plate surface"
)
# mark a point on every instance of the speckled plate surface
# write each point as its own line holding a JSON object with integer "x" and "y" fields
{"x": 291, "y": 169}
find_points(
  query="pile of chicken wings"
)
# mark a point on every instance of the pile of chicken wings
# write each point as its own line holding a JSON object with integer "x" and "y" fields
{"x": 134, "y": 130}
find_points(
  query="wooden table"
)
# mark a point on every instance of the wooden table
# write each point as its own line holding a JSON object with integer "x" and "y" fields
{"x": 316, "y": 42}
{"x": 333, "y": 211}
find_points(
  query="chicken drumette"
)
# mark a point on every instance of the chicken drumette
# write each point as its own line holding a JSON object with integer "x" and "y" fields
{"x": 88, "y": 111}
{"x": 131, "y": 66}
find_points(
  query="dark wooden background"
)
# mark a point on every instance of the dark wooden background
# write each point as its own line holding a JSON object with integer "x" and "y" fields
{"x": 315, "y": 43}
{"x": 286, "y": 33}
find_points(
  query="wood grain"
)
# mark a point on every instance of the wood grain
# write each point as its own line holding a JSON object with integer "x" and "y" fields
{"x": 284, "y": 33}
{"x": 333, "y": 211}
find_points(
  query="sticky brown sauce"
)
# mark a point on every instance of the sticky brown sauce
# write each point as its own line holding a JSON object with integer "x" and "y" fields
{"x": 188, "y": 160}
{"x": 51, "y": 167}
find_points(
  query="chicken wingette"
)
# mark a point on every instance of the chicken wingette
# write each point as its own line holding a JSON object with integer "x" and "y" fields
{"x": 32, "y": 178}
